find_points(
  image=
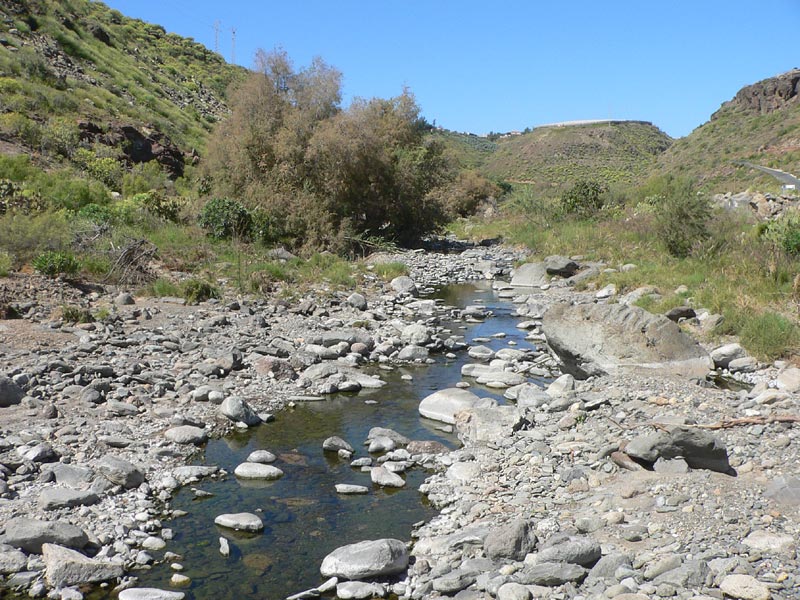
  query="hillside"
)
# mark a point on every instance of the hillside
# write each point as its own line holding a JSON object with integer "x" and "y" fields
{"x": 466, "y": 150}
{"x": 552, "y": 157}
{"x": 760, "y": 125}
{"x": 77, "y": 71}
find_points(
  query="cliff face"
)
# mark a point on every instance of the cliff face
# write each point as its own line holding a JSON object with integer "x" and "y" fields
{"x": 759, "y": 125}
{"x": 767, "y": 95}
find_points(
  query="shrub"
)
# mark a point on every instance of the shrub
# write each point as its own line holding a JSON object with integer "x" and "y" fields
{"x": 60, "y": 137}
{"x": 76, "y": 314}
{"x": 769, "y": 335}
{"x": 5, "y": 263}
{"x": 682, "y": 221}
{"x": 198, "y": 290}
{"x": 225, "y": 219}
{"x": 784, "y": 233}
{"x": 584, "y": 198}
{"x": 53, "y": 264}
{"x": 96, "y": 214}
{"x": 24, "y": 236}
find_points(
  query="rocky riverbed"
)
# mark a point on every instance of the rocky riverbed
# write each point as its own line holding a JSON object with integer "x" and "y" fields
{"x": 638, "y": 482}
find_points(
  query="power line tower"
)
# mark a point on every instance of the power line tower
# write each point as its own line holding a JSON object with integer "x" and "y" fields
{"x": 233, "y": 45}
{"x": 217, "y": 25}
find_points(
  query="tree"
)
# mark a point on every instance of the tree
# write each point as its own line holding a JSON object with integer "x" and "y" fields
{"x": 323, "y": 174}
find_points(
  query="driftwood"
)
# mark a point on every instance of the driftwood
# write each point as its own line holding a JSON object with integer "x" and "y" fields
{"x": 723, "y": 424}
{"x": 133, "y": 264}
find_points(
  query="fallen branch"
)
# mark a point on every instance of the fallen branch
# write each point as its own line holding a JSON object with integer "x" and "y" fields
{"x": 724, "y": 424}
{"x": 728, "y": 423}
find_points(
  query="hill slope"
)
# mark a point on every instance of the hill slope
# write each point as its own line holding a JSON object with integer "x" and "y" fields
{"x": 760, "y": 125}
{"x": 555, "y": 156}
{"x": 128, "y": 83}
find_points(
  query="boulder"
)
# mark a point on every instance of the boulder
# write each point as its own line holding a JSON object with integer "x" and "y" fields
{"x": 385, "y": 478}
{"x": 348, "y": 488}
{"x": 65, "y": 567}
{"x": 368, "y": 559}
{"x": 240, "y": 522}
{"x": 249, "y": 470}
{"x": 561, "y": 266}
{"x": 30, "y": 534}
{"x": 120, "y": 471}
{"x": 700, "y": 449}
{"x": 575, "y": 550}
{"x": 486, "y": 425}
{"x": 335, "y": 443}
{"x": 444, "y": 404}
{"x": 10, "y": 392}
{"x": 744, "y": 587}
{"x": 404, "y": 285}
{"x": 511, "y": 541}
{"x": 723, "y": 355}
{"x": 238, "y": 410}
{"x": 397, "y": 438}
{"x": 12, "y": 560}
{"x": 415, "y": 334}
{"x": 150, "y": 594}
{"x": 186, "y": 434}
{"x": 357, "y": 301}
{"x": 53, "y": 498}
{"x": 530, "y": 275}
{"x": 550, "y": 574}
{"x": 594, "y": 339}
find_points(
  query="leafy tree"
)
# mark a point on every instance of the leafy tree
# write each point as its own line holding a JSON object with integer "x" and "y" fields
{"x": 319, "y": 174}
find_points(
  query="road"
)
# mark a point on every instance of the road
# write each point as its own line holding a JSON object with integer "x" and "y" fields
{"x": 783, "y": 177}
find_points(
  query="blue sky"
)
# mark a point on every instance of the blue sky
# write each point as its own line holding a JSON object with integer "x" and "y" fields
{"x": 483, "y": 66}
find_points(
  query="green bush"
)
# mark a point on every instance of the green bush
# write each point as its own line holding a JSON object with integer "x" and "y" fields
{"x": 197, "y": 290}
{"x": 584, "y": 198}
{"x": 24, "y": 236}
{"x": 96, "y": 214}
{"x": 784, "y": 233}
{"x": 769, "y": 335}
{"x": 225, "y": 219}
{"x": 76, "y": 314}
{"x": 53, "y": 264}
{"x": 681, "y": 221}
{"x": 5, "y": 263}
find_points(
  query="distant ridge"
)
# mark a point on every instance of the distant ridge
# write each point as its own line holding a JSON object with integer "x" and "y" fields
{"x": 592, "y": 122}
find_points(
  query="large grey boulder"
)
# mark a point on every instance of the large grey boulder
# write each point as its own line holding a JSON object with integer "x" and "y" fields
{"x": 444, "y": 404}
{"x": 250, "y": 470}
{"x": 513, "y": 540}
{"x": 364, "y": 560}
{"x": 416, "y": 334}
{"x": 700, "y": 449}
{"x": 10, "y": 392}
{"x": 576, "y": 550}
{"x": 479, "y": 425}
{"x": 12, "y": 560}
{"x": 30, "y": 534}
{"x": 240, "y": 521}
{"x": 724, "y": 355}
{"x": 120, "y": 471}
{"x": 65, "y": 567}
{"x": 238, "y": 410}
{"x": 186, "y": 434}
{"x": 53, "y": 498}
{"x": 594, "y": 339}
{"x": 150, "y": 594}
{"x": 550, "y": 574}
{"x": 404, "y": 285}
{"x": 530, "y": 275}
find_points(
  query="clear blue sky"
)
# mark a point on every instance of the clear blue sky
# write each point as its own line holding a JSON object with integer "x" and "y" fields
{"x": 483, "y": 65}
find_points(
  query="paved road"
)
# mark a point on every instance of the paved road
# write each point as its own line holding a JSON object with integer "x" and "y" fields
{"x": 783, "y": 177}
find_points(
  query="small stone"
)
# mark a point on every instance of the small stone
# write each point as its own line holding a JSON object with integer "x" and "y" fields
{"x": 240, "y": 521}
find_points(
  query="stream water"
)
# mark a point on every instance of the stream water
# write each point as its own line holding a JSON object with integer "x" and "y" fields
{"x": 305, "y": 518}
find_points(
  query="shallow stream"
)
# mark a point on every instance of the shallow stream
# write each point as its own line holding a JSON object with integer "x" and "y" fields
{"x": 305, "y": 518}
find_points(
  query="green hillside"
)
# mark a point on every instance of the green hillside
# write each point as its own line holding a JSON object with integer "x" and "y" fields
{"x": 760, "y": 125}
{"x": 77, "y": 69}
{"x": 555, "y": 156}
{"x": 466, "y": 150}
